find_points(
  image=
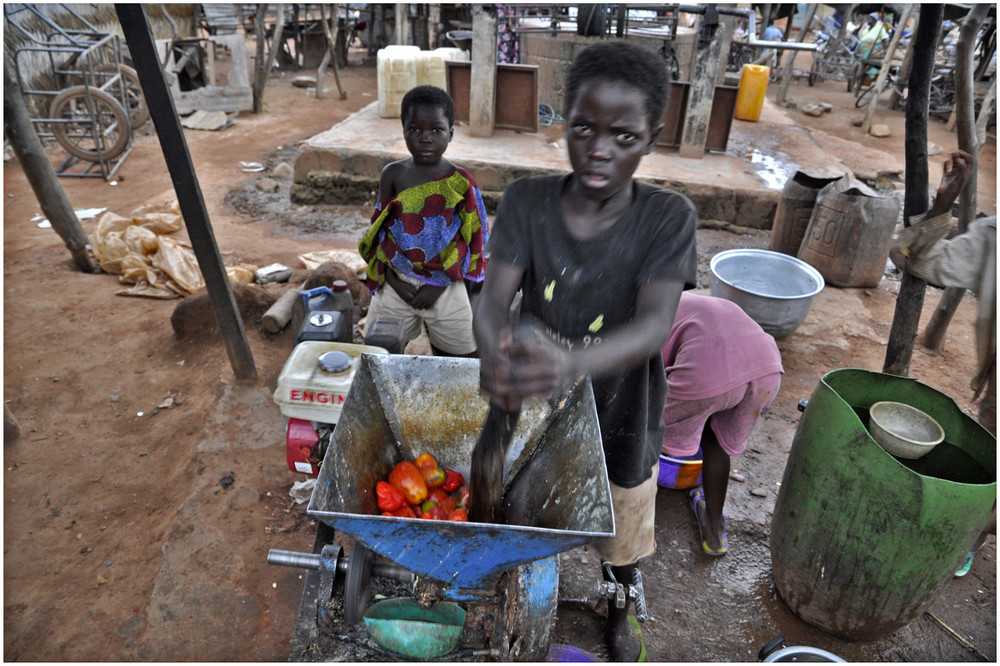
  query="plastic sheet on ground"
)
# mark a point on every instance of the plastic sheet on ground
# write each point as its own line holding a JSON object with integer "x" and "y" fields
{"x": 350, "y": 258}
{"x": 140, "y": 250}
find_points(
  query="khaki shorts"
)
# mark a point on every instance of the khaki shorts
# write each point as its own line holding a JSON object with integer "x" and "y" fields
{"x": 448, "y": 321}
{"x": 635, "y": 510}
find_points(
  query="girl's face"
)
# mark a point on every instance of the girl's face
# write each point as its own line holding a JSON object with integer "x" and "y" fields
{"x": 607, "y": 134}
{"x": 427, "y": 133}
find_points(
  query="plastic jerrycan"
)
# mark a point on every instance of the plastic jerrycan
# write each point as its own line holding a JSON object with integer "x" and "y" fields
{"x": 315, "y": 316}
{"x": 753, "y": 88}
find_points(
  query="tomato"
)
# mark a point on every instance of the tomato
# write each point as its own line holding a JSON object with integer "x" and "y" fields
{"x": 389, "y": 499}
{"x": 404, "y": 512}
{"x": 452, "y": 480}
{"x": 406, "y": 478}
{"x": 443, "y": 499}
{"x": 425, "y": 460}
{"x": 427, "y": 506}
{"x": 433, "y": 475}
{"x": 459, "y": 515}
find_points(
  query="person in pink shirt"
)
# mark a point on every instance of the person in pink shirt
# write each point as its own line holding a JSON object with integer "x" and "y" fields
{"x": 723, "y": 370}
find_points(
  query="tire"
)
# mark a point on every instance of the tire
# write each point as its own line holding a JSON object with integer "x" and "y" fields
{"x": 590, "y": 19}
{"x": 863, "y": 96}
{"x": 814, "y": 75}
{"x": 853, "y": 76}
{"x": 73, "y": 127}
{"x": 138, "y": 112}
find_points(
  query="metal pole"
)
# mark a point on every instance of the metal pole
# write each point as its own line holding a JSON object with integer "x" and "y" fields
{"x": 139, "y": 37}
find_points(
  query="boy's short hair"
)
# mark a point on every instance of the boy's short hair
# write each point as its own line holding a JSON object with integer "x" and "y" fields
{"x": 622, "y": 61}
{"x": 427, "y": 96}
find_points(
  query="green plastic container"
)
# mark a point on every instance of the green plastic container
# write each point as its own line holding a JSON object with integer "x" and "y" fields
{"x": 403, "y": 627}
{"x": 863, "y": 542}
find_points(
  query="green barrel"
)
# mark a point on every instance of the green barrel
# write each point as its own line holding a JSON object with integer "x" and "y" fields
{"x": 862, "y": 542}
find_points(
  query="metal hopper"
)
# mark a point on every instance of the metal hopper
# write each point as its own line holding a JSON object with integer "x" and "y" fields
{"x": 556, "y": 493}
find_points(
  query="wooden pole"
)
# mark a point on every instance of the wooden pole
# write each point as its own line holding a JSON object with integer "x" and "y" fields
{"x": 139, "y": 36}
{"x": 39, "y": 172}
{"x": 482, "y": 97}
{"x": 883, "y": 73}
{"x": 701, "y": 94}
{"x": 786, "y": 79}
{"x": 965, "y": 113}
{"x": 909, "y": 302}
{"x": 330, "y": 55}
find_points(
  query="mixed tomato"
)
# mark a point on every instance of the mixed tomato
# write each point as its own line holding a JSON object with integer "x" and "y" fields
{"x": 423, "y": 489}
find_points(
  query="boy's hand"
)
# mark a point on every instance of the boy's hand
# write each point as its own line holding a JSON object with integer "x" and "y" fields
{"x": 426, "y": 296}
{"x": 403, "y": 289}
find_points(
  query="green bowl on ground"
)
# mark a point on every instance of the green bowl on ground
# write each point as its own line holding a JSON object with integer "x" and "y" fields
{"x": 403, "y": 627}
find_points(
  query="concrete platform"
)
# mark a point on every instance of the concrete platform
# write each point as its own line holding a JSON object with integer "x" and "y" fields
{"x": 741, "y": 186}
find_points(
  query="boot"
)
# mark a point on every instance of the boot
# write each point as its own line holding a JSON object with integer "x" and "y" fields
{"x": 622, "y": 642}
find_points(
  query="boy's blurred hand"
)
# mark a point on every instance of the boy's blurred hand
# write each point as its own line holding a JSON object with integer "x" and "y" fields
{"x": 426, "y": 296}
{"x": 526, "y": 364}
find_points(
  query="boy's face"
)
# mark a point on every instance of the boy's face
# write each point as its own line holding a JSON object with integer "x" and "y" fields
{"x": 607, "y": 134}
{"x": 427, "y": 133}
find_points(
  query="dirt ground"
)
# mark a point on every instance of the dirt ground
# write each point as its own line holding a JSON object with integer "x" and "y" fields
{"x": 139, "y": 535}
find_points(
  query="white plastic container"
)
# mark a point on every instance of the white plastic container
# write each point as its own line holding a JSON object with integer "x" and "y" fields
{"x": 308, "y": 391}
{"x": 431, "y": 68}
{"x": 397, "y": 75}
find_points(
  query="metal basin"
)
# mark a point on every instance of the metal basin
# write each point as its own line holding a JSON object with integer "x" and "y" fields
{"x": 556, "y": 492}
{"x": 774, "y": 289}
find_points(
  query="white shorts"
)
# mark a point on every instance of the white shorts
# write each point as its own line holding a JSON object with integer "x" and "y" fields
{"x": 448, "y": 321}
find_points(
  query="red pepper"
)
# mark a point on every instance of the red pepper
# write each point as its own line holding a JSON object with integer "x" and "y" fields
{"x": 406, "y": 478}
{"x": 453, "y": 480}
{"x": 389, "y": 499}
{"x": 459, "y": 515}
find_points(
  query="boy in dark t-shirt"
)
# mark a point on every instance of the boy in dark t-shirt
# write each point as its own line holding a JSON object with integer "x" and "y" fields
{"x": 601, "y": 261}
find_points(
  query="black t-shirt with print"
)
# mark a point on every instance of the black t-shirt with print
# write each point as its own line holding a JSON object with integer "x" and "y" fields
{"x": 582, "y": 290}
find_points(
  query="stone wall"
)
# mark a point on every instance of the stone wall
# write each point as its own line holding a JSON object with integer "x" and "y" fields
{"x": 553, "y": 55}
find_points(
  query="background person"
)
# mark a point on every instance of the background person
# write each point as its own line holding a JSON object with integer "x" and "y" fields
{"x": 428, "y": 232}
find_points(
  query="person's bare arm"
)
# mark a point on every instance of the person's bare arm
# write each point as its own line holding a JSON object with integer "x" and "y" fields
{"x": 957, "y": 170}
{"x": 491, "y": 326}
{"x": 542, "y": 366}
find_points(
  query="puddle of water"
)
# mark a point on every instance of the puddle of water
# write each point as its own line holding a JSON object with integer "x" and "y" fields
{"x": 771, "y": 170}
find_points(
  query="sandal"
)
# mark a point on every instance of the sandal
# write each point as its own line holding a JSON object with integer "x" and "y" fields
{"x": 698, "y": 495}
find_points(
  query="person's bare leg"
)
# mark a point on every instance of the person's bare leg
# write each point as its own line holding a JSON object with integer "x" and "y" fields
{"x": 715, "y": 483}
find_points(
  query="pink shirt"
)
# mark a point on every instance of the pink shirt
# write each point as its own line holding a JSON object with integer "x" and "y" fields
{"x": 714, "y": 347}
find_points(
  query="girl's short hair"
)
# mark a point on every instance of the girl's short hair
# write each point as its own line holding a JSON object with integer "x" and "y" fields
{"x": 427, "y": 96}
{"x": 622, "y": 61}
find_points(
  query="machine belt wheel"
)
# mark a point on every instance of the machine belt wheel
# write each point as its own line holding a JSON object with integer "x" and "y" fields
{"x": 358, "y": 583}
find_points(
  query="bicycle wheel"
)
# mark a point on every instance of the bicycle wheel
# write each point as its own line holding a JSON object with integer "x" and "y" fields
{"x": 90, "y": 132}
{"x": 864, "y": 96}
{"x": 138, "y": 112}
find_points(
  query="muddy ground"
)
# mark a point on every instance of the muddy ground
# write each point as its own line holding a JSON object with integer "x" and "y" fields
{"x": 132, "y": 536}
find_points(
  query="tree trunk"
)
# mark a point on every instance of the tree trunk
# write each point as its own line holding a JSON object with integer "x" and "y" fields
{"x": 37, "y": 168}
{"x": 262, "y": 67}
{"x": 965, "y": 112}
{"x": 899, "y": 348}
{"x": 330, "y": 56}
